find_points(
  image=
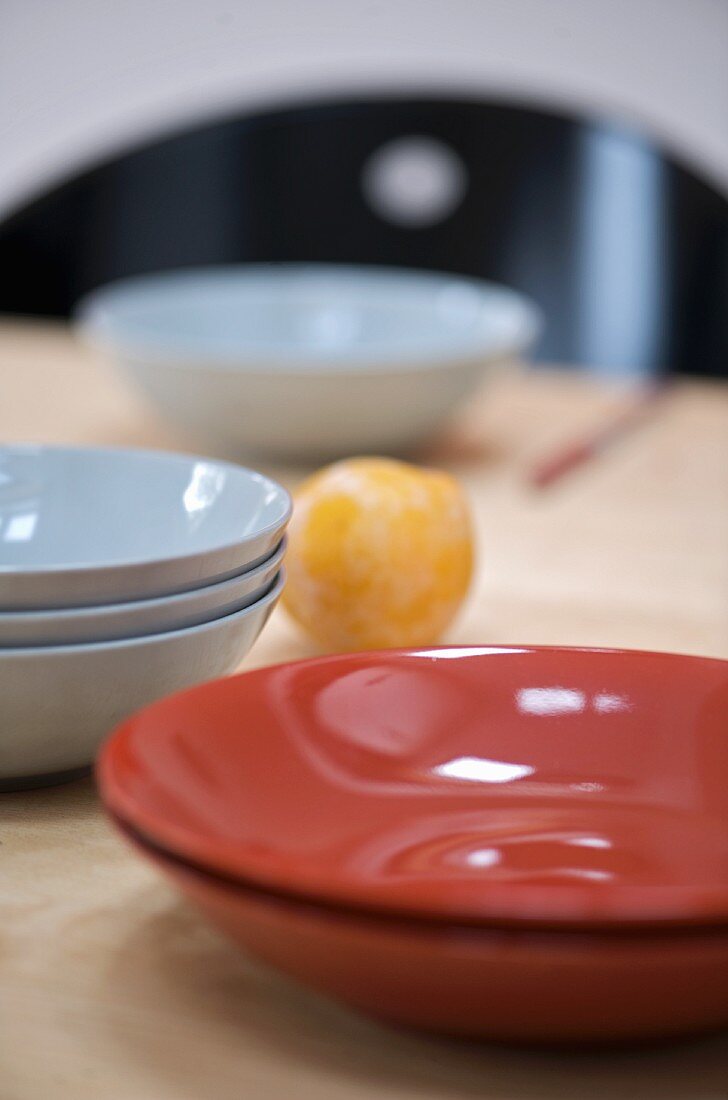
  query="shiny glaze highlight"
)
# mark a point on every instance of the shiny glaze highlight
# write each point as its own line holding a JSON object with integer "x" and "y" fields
{"x": 484, "y": 785}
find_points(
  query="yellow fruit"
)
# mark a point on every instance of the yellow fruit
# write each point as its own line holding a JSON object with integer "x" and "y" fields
{"x": 380, "y": 554}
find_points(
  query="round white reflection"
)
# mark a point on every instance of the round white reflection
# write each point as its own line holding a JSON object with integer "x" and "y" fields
{"x": 414, "y": 181}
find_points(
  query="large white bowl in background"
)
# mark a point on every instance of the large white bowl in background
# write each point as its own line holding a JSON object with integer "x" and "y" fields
{"x": 58, "y": 702}
{"x": 88, "y": 525}
{"x": 67, "y": 626}
{"x": 305, "y": 360}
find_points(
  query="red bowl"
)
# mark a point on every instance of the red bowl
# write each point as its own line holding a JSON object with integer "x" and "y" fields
{"x": 516, "y": 985}
{"x": 554, "y": 788}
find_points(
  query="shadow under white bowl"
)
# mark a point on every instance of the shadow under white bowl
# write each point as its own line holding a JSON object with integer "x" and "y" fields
{"x": 91, "y": 525}
{"x": 59, "y": 702}
{"x": 107, "y": 622}
{"x": 306, "y": 360}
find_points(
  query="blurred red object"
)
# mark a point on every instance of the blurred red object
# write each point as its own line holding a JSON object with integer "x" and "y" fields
{"x": 548, "y": 471}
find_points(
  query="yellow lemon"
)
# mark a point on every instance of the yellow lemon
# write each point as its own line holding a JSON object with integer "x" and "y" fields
{"x": 380, "y": 554}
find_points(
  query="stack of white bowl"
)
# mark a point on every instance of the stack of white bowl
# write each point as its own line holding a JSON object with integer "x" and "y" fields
{"x": 124, "y": 575}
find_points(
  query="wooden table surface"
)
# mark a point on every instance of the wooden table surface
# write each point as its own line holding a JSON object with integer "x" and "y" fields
{"x": 113, "y": 989}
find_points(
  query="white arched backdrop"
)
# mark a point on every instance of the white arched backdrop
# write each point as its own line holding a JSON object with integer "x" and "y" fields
{"x": 82, "y": 79}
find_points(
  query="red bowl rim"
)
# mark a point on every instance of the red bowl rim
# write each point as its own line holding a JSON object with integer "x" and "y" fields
{"x": 180, "y": 844}
{"x": 412, "y": 922}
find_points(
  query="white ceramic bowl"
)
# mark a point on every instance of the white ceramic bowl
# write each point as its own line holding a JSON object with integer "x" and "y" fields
{"x": 307, "y": 361}
{"x": 58, "y": 702}
{"x": 82, "y": 526}
{"x": 74, "y": 625}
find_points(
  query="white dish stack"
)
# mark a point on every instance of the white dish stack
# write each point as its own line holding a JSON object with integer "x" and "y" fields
{"x": 124, "y": 575}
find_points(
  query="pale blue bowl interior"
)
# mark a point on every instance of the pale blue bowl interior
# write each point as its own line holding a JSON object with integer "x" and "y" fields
{"x": 308, "y": 315}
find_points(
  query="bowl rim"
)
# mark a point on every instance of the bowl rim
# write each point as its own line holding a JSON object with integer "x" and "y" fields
{"x": 93, "y": 322}
{"x": 412, "y": 920}
{"x": 95, "y": 567}
{"x": 182, "y": 842}
{"x": 36, "y": 615}
{"x": 10, "y": 653}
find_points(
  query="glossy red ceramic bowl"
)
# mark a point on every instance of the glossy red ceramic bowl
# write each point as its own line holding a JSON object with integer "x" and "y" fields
{"x": 517, "y": 985}
{"x": 488, "y": 787}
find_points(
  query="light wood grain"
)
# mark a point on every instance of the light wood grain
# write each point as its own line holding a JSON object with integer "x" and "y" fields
{"x": 112, "y": 989}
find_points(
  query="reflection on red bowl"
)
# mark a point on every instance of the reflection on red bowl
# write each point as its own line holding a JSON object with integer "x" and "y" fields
{"x": 491, "y": 787}
{"x": 510, "y": 984}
